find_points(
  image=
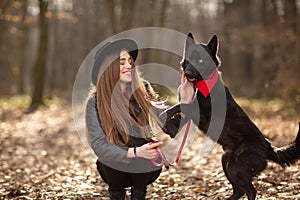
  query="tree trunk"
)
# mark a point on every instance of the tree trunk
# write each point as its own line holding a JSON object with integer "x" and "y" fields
{"x": 39, "y": 67}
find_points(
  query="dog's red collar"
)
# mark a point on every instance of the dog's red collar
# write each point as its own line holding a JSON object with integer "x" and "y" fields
{"x": 205, "y": 86}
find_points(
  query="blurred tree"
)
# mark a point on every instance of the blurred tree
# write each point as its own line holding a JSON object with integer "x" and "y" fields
{"x": 4, "y": 6}
{"x": 262, "y": 46}
{"x": 259, "y": 40}
{"x": 13, "y": 41}
{"x": 19, "y": 69}
{"x": 38, "y": 72}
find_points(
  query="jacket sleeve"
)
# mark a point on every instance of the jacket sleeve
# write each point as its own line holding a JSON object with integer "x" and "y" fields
{"x": 103, "y": 149}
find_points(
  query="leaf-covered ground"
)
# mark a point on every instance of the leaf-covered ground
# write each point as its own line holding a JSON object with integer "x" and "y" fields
{"x": 42, "y": 158}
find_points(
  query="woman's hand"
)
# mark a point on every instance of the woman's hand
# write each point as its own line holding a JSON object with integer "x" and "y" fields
{"x": 186, "y": 90}
{"x": 147, "y": 151}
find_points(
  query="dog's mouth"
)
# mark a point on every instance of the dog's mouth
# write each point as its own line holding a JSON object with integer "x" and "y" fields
{"x": 192, "y": 80}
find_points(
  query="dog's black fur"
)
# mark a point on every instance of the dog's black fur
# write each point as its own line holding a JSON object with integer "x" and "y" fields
{"x": 246, "y": 150}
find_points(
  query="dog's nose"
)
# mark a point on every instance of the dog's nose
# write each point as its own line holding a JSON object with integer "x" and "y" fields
{"x": 188, "y": 74}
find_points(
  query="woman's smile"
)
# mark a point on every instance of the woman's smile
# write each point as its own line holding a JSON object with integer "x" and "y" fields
{"x": 128, "y": 72}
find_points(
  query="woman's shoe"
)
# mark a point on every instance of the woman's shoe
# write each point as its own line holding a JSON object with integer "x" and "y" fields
{"x": 138, "y": 194}
{"x": 117, "y": 195}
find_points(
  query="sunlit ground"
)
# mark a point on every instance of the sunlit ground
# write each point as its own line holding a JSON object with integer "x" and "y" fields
{"x": 42, "y": 157}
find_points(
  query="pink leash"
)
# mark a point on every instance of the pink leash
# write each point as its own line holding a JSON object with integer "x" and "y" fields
{"x": 164, "y": 160}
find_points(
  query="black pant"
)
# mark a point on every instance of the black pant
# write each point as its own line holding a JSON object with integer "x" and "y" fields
{"x": 118, "y": 180}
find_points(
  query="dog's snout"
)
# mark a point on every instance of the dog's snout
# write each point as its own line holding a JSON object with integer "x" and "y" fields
{"x": 188, "y": 74}
{"x": 190, "y": 77}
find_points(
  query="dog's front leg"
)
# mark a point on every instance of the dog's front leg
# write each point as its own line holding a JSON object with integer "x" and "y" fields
{"x": 170, "y": 119}
{"x": 189, "y": 111}
{"x": 175, "y": 117}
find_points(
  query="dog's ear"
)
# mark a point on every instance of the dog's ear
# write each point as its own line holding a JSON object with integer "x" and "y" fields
{"x": 213, "y": 44}
{"x": 191, "y": 35}
{"x": 189, "y": 40}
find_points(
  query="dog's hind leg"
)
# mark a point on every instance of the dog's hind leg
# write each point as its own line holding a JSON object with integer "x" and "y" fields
{"x": 241, "y": 178}
{"x": 250, "y": 190}
{"x": 237, "y": 192}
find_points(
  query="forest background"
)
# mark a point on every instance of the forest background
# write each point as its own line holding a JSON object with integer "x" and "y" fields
{"x": 43, "y": 43}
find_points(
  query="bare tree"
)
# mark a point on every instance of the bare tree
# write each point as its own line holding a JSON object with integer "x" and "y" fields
{"x": 39, "y": 68}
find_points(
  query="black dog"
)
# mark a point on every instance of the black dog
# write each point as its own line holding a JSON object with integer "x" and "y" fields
{"x": 246, "y": 149}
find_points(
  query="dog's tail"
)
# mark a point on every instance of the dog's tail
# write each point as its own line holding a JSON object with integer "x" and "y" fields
{"x": 288, "y": 155}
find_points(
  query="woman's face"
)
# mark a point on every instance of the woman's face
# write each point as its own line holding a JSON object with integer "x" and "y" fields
{"x": 125, "y": 67}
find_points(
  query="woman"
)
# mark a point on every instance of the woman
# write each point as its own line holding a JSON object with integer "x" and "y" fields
{"x": 120, "y": 120}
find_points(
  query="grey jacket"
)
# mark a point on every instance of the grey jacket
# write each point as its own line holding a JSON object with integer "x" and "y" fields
{"x": 103, "y": 149}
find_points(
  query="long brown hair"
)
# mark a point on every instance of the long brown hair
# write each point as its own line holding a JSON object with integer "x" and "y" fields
{"x": 113, "y": 114}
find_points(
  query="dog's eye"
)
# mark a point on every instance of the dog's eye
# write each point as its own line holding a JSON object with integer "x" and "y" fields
{"x": 200, "y": 61}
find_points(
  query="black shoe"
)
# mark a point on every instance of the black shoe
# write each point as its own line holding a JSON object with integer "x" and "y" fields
{"x": 117, "y": 195}
{"x": 138, "y": 194}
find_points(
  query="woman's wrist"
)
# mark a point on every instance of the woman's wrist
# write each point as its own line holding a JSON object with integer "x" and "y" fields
{"x": 185, "y": 101}
{"x": 132, "y": 152}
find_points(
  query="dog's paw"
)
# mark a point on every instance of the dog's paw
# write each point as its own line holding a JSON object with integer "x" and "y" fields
{"x": 174, "y": 125}
{"x": 169, "y": 113}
